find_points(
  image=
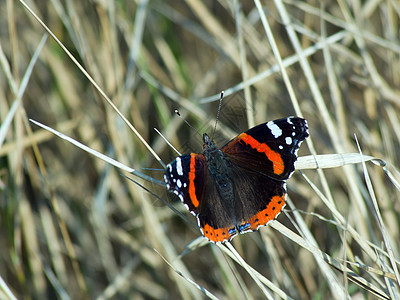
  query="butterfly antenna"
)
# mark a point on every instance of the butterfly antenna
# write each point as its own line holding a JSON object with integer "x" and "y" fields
{"x": 219, "y": 110}
{"x": 177, "y": 112}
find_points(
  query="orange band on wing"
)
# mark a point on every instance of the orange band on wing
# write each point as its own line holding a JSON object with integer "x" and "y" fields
{"x": 268, "y": 214}
{"x": 273, "y": 156}
{"x": 218, "y": 234}
{"x": 192, "y": 175}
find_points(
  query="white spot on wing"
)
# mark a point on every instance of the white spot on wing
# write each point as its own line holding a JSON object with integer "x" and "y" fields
{"x": 288, "y": 140}
{"x": 297, "y": 149}
{"x": 275, "y": 130}
{"x": 179, "y": 169}
{"x": 179, "y": 183}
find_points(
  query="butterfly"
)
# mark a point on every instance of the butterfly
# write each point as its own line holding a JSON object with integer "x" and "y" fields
{"x": 241, "y": 186}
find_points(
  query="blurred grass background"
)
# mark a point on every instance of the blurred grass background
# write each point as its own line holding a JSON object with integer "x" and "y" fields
{"x": 71, "y": 227}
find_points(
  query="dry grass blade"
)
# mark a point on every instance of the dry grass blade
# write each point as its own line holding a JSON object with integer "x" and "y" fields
{"x": 265, "y": 281}
{"x": 11, "y": 113}
{"x": 352, "y": 276}
{"x": 382, "y": 227}
{"x": 6, "y": 290}
{"x": 94, "y": 84}
{"x": 187, "y": 279}
{"x": 372, "y": 270}
{"x": 286, "y": 62}
{"x": 278, "y": 57}
{"x": 99, "y": 155}
{"x": 333, "y": 161}
{"x": 253, "y": 274}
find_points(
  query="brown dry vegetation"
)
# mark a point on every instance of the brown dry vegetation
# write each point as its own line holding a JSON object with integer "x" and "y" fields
{"x": 71, "y": 227}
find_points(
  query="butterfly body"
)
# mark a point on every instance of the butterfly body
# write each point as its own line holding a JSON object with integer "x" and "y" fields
{"x": 219, "y": 168}
{"x": 241, "y": 186}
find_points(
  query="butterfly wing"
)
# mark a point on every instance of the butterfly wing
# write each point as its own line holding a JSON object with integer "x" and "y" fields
{"x": 187, "y": 177}
{"x": 258, "y": 198}
{"x": 269, "y": 148}
{"x": 216, "y": 217}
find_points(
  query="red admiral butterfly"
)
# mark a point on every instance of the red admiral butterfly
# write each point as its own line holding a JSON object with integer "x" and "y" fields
{"x": 242, "y": 186}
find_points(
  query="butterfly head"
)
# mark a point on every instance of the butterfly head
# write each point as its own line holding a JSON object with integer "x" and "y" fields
{"x": 207, "y": 141}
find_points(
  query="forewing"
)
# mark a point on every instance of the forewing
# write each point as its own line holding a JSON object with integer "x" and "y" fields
{"x": 185, "y": 177}
{"x": 269, "y": 148}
